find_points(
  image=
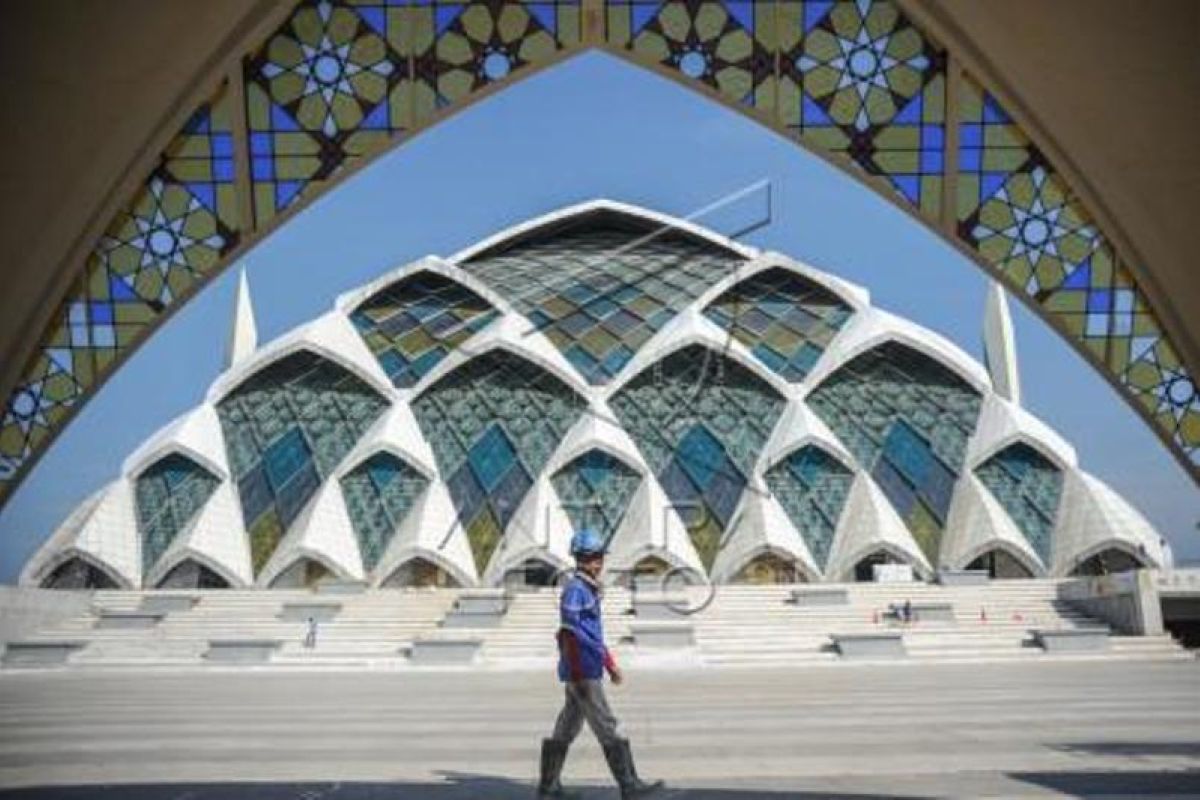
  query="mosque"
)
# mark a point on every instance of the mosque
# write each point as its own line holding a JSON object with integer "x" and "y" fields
{"x": 724, "y": 413}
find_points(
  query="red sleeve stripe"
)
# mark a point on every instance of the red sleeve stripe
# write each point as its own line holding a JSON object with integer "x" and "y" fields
{"x": 571, "y": 651}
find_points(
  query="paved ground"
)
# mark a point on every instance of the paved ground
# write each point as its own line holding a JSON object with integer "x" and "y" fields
{"x": 1039, "y": 730}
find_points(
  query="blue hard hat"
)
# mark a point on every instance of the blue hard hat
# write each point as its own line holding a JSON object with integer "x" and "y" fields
{"x": 587, "y": 542}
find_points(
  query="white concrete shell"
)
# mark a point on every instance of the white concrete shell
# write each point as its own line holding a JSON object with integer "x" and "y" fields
{"x": 651, "y": 527}
{"x": 323, "y": 533}
{"x": 195, "y": 434}
{"x": 869, "y": 524}
{"x": 540, "y": 529}
{"x": 59, "y": 546}
{"x": 1003, "y": 423}
{"x": 102, "y": 532}
{"x": 330, "y": 336}
{"x": 978, "y": 523}
{"x": 214, "y": 538}
{"x": 1094, "y": 518}
{"x": 799, "y": 427}
{"x": 872, "y": 327}
{"x": 431, "y": 531}
{"x": 762, "y": 527}
{"x": 663, "y": 221}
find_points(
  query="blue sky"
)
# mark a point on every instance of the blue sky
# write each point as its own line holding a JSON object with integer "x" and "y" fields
{"x": 590, "y": 127}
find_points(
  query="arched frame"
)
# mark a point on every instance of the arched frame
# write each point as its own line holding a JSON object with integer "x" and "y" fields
{"x": 320, "y": 88}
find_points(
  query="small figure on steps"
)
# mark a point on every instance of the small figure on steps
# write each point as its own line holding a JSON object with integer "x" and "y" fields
{"x": 310, "y": 638}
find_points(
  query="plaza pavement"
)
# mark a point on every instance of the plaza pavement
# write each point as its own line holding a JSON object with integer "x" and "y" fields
{"x": 1065, "y": 729}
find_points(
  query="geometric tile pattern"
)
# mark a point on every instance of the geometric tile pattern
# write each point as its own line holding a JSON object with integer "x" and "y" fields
{"x": 493, "y": 423}
{"x": 857, "y": 79}
{"x": 785, "y": 320}
{"x": 330, "y": 84}
{"x": 600, "y": 292}
{"x": 379, "y": 494}
{"x": 286, "y": 429}
{"x": 852, "y": 79}
{"x": 412, "y": 325}
{"x": 170, "y": 237}
{"x": 700, "y": 420}
{"x": 341, "y": 81}
{"x": 1028, "y": 487}
{"x": 1022, "y": 219}
{"x": 906, "y": 419}
{"x": 812, "y": 487}
{"x": 169, "y": 494}
{"x": 595, "y": 490}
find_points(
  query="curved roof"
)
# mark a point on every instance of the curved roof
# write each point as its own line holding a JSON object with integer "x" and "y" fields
{"x": 486, "y": 460}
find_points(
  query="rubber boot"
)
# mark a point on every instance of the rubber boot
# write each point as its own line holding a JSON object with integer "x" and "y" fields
{"x": 620, "y": 761}
{"x": 554, "y": 753}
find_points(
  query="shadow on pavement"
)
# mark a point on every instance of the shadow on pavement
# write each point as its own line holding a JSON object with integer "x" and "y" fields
{"x": 1191, "y": 749}
{"x": 457, "y": 786}
{"x": 1124, "y": 783}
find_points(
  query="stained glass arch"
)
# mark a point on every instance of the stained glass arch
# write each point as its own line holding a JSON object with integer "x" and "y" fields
{"x": 287, "y": 426}
{"x": 414, "y": 322}
{"x": 264, "y": 142}
{"x": 786, "y": 319}
{"x": 493, "y": 423}
{"x": 906, "y": 416}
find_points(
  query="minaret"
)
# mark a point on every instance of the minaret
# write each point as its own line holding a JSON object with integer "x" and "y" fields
{"x": 999, "y": 346}
{"x": 243, "y": 335}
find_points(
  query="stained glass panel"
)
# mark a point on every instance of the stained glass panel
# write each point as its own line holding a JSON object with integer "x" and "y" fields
{"x": 493, "y": 424}
{"x": 412, "y": 325}
{"x": 785, "y": 320}
{"x": 286, "y": 428}
{"x": 379, "y": 493}
{"x": 158, "y": 248}
{"x": 701, "y": 421}
{"x": 1028, "y": 487}
{"x": 595, "y": 490}
{"x": 600, "y": 287}
{"x": 906, "y": 419}
{"x": 169, "y": 494}
{"x": 812, "y": 488}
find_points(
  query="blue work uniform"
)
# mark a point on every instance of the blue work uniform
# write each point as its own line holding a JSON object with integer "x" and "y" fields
{"x": 582, "y": 654}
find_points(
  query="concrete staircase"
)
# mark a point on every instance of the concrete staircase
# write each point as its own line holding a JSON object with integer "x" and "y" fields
{"x": 372, "y": 628}
{"x": 735, "y": 626}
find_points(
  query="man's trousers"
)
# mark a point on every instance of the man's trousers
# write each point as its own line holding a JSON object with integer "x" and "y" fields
{"x": 586, "y": 701}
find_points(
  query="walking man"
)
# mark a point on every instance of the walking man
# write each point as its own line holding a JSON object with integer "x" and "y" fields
{"x": 582, "y": 661}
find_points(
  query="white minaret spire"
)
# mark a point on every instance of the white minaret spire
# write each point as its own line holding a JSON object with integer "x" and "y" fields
{"x": 243, "y": 335}
{"x": 999, "y": 346}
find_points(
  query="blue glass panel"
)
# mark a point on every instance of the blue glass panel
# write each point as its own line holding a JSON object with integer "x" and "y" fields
{"x": 255, "y": 493}
{"x": 287, "y": 456}
{"x": 466, "y": 492}
{"x": 724, "y": 492}
{"x": 491, "y": 457}
{"x": 895, "y": 487}
{"x": 509, "y": 494}
{"x": 383, "y": 470}
{"x": 292, "y": 497}
{"x": 701, "y": 456}
{"x": 908, "y": 452}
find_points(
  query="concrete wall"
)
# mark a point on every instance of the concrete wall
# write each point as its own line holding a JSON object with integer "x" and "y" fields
{"x": 24, "y": 610}
{"x": 1128, "y": 601}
